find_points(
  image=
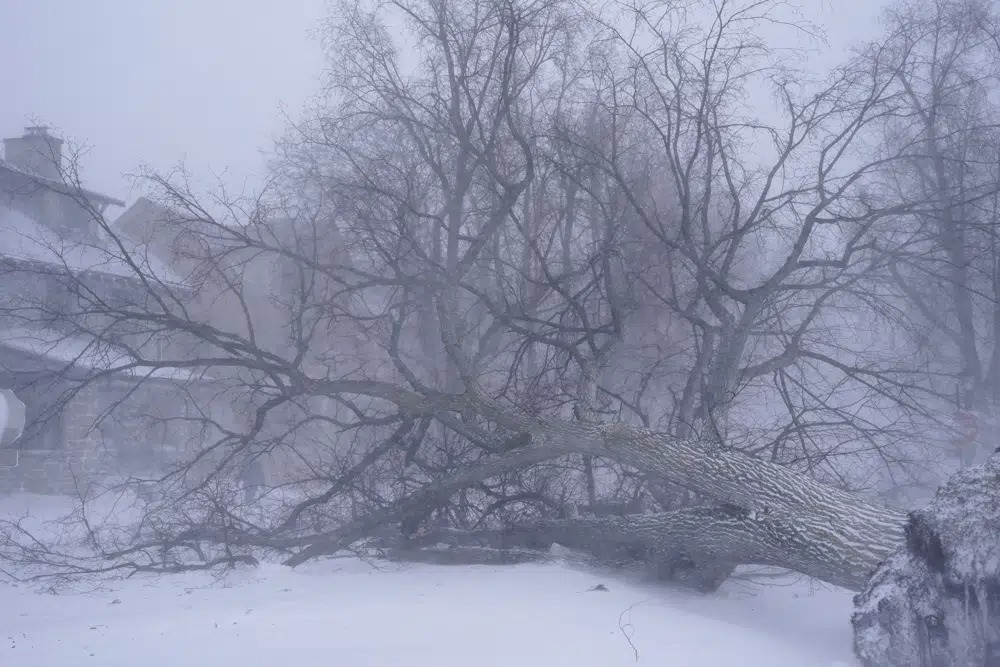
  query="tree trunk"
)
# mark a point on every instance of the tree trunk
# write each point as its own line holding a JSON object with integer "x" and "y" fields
{"x": 798, "y": 522}
{"x": 697, "y": 547}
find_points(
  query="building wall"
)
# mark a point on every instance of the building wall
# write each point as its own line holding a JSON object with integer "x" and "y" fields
{"x": 133, "y": 438}
{"x": 62, "y": 253}
{"x": 116, "y": 428}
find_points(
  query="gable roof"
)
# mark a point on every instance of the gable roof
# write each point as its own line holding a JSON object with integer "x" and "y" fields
{"x": 61, "y": 187}
{"x": 84, "y": 351}
{"x": 22, "y": 237}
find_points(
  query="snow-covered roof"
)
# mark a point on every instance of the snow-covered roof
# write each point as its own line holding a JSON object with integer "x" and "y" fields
{"x": 83, "y": 351}
{"x": 25, "y": 238}
{"x": 59, "y": 186}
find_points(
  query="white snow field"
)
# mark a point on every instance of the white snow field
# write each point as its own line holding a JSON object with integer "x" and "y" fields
{"x": 347, "y": 613}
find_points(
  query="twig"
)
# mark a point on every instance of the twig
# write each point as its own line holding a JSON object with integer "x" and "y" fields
{"x": 626, "y": 628}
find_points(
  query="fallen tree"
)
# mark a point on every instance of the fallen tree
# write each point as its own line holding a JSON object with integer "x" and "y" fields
{"x": 933, "y": 602}
{"x": 473, "y": 257}
{"x": 773, "y": 515}
{"x": 579, "y": 304}
{"x": 697, "y": 548}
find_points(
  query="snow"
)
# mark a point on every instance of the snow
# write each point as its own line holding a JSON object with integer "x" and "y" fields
{"x": 348, "y": 613}
{"x": 26, "y": 238}
{"x": 82, "y": 351}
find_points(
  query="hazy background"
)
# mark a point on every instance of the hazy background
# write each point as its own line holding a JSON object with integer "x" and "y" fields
{"x": 209, "y": 81}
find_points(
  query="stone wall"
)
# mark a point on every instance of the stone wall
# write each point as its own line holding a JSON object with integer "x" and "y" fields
{"x": 116, "y": 428}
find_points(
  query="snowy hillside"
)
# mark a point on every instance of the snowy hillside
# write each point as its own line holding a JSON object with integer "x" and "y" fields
{"x": 345, "y": 613}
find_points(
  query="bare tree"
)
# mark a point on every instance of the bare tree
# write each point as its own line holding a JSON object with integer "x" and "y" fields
{"x": 946, "y": 69}
{"x": 543, "y": 258}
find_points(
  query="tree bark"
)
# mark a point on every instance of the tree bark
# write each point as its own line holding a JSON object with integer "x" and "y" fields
{"x": 806, "y": 526}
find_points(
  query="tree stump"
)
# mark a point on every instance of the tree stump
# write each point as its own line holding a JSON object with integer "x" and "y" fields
{"x": 936, "y": 602}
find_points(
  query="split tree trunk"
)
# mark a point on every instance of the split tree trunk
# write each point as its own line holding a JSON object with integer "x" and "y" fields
{"x": 936, "y": 603}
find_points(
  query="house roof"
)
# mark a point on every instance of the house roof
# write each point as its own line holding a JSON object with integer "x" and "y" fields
{"x": 26, "y": 238}
{"x": 85, "y": 352}
{"x": 60, "y": 186}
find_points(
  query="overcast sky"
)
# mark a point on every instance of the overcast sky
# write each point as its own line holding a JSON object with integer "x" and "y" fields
{"x": 155, "y": 81}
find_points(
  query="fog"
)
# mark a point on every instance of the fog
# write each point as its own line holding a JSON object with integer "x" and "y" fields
{"x": 157, "y": 82}
{"x": 666, "y": 330}
{"x": 210, "y": 83}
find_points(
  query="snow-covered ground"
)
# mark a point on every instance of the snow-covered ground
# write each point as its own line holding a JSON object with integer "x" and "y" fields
{"x": 346, "y": 613}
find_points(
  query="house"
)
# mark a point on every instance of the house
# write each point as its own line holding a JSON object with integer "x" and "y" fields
{"x": 59, "y": 240}
{"x": 90, "y": 415}
{"x": 243, "y": 290}
{"x": 250, "y": 284}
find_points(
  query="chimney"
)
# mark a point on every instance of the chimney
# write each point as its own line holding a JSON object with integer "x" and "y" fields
{"x": 37, "y": 152}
